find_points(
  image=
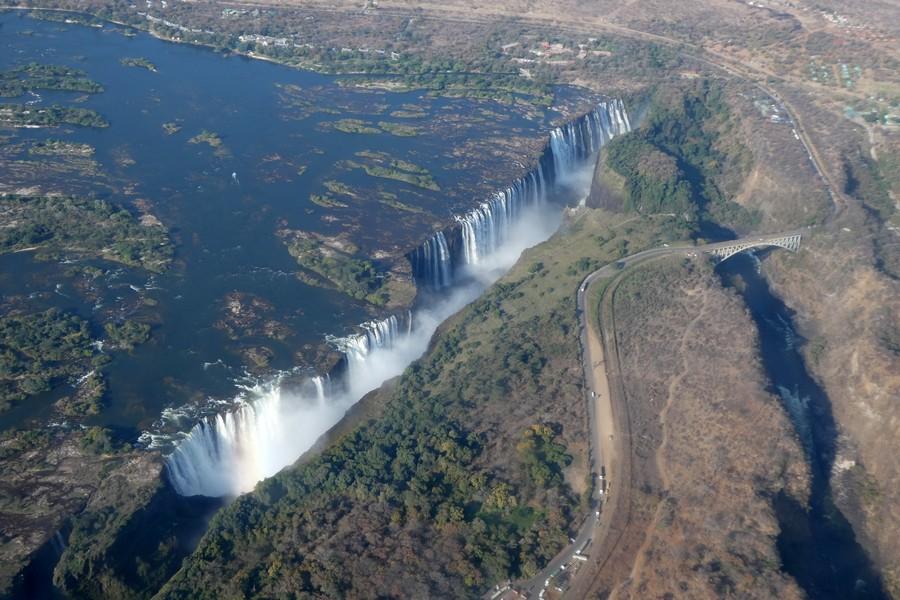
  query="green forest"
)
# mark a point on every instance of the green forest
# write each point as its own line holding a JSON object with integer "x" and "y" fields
{"x": 684, "y": 159}
{"x": 87, "y": 227}
{"x": 19, "y": 115}
{"x": 36, "y": 76}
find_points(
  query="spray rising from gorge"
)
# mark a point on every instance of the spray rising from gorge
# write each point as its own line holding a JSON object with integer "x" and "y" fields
{"x": 485, "y": 230}
{"x": 228, "y": 454}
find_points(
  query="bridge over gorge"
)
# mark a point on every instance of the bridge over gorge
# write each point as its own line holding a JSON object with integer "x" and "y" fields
{"x": 725, "y": 250}
{"x": 605, "y": 396}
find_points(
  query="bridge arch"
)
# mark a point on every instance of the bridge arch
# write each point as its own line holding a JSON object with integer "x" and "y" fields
{"x": 726, "y": 251}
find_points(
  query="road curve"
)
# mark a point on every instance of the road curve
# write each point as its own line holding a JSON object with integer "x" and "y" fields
{"x": 609, "y": 452}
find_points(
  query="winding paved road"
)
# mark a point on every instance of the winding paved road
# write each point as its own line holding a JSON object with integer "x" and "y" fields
{"x": 609, "y": 425}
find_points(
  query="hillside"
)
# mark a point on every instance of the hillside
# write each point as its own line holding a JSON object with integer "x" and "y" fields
{"x": 703, "y": 151}
{"x": 847, "y": 305}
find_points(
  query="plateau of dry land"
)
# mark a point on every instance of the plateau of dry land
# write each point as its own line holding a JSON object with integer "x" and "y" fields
{"x": 708, "y": 447}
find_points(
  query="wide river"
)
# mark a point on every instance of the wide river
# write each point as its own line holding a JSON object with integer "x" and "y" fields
{"x": 224, "y": 206}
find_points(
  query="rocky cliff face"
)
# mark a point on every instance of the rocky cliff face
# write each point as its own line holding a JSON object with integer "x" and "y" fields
{"x": 849, "y": 312}
{"x": 607, "y": 188}
{"x": 131, "y": 535}
{"x": 48, "y": 480}
{"x": 92, "y": 521}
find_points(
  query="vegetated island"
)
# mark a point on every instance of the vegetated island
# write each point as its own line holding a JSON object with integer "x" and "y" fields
{"x": 20, "y": 115}
{"x": 58, "y": 225}
{"x": 328, "y": 200}
{"x": 139, "y": 62}
{"x": 334, "y": 263}
{"x": 211, "y": 139}
{"x": 36, "y": 76}
{"x": 61, "y": 148}
{"x": 40, "y": 351}
{"x": 380, "y": 164}
{"x": 355, "y": 126}
{"x": 399, "y": 129}
{"x": 390, "y": 199}
{"x": 362, "y": 127}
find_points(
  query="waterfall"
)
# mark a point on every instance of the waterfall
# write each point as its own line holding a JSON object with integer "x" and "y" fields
{"x": 484, "y": 229}
{"x": 432, "y": 260}
{"x": 320, "y": 383}
{"x": 577, "y": 140}
{"x": 275, "y": 423}
{"x": 376, "y": 335}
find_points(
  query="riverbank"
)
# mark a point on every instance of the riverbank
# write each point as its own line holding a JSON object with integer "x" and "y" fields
{"x": 817, "y": 544}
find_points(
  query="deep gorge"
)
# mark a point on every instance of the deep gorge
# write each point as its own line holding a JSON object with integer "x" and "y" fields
{"x": 229, "y": 454}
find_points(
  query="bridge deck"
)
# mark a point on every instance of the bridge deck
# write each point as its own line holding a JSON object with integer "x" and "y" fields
{"x": 725, "y": 250}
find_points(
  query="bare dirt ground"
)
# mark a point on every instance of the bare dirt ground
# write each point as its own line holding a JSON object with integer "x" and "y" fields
{"x": 708, "y": 447}
{"x": 602, "y": 403}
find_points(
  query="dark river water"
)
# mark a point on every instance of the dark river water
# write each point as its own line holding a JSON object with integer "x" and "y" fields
{"x": 275, "y": 123}
{"x": 817, "y": 545}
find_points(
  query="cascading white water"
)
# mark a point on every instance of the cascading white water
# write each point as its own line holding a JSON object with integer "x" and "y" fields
{"x": 232, "y": 451}
{"x": 432, "y": 261}
{"x": 319, "y": 382}
{"x": 377, "y": 335}
{"x": 579, "y": 139}
{"x": 485, "y": 228}
{"x": 228, "y": 454}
